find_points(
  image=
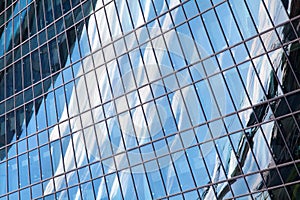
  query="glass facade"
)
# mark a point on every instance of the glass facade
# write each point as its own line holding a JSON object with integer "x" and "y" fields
{"x": 149, "y": 99}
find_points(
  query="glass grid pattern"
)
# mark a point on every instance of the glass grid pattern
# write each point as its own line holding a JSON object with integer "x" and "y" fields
{"x": 149, "y": 99}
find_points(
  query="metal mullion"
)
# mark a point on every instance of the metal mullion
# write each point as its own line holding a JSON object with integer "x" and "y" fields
{"x": 166, "y": 92}
{"x": 231, "y": 98}
{"x": 13, "y": 35}
{"x": 214, "y": 97}
{"x": 76, "y": 102}
{"x": 40, "y": 169}
{"x": 226, "y": 48}
{"x": 154, "y": 99}
{"x": 283, "y": 116}
{"x": 44, "y": 28}
{"x": 81, "y": 131}
{"x": 235, "y": 64}
{"x": 127, "y": 103}
{"x": 185, "y": 104}
{"x": 57, "y": 123}
{"x": 285, "y": 143}
{"x": 93, "y": 71}
{"x": 75, "y": 163}
{"x": 238, "y": 165}
{"x": 247, "y": 49}
{"x": 103, "y": 121}
{"x": 284, "y": 96}
{"x": 154, "y": 102}
{"x": 269, "y": 149}
{"x": 244, "y": 87}
{"x": 286, "y": 146}
{"x": 90, "y": 110}
{"x": 287, "y": 58}
{"x": 110, "y": 86}
{"x": 150, "y": 89}
{"x": 256, "y": 104}
{"x": 166, "y": 96}
{"x": 50, "y": 154}
{"x": 148, "y": 81}
{"x": 177, "y": 133}
{"x": 88, "y": 16}
{"x": 202, "y": 109}
{"x": 258, "y": 76}
{"x": 285, "y": 164}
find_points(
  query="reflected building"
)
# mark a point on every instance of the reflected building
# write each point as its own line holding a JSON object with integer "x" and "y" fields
{"x": 149, "y": 99}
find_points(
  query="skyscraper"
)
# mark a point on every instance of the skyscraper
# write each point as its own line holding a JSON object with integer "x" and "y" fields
{"x": 149, "y": 99}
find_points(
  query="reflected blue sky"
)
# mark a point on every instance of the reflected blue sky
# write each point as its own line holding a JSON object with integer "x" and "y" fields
{"x": 159, "y": 110}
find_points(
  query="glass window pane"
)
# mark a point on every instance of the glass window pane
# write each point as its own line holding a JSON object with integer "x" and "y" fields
{"x": 243, "y": 18}
{"x": 214, "y": 31}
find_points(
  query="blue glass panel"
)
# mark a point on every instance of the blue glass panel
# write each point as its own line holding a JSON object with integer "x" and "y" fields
{"x": 160, "y": 7}
{"x": 40, "y": 113}
{"x": 74, "y": 193}
{"x": 168, "y": 124}
{"x": 62, "y": 195}
{"x": 155, "y": 180}
{"x": 127, "y": 185}
{"x": 260, "y": 18}
{"x": 169, "y": 175}
{"x": 136, "y": 14}
{"x": 87, "y": 191}
{"x": 83, "y": 41}
{"x": 45, "y": 160}
{"x": 72, "y": 178}
{"x": 183, "y": 171}
{"x": 200, "y": 37}
{"x": 32, "y": 142}
{"x": 214, "y": 31}
{"x": 197, "y": 166}
{"x": 239, "y": 187}
{"x": 141, "y": 183}
{"x": 69, "y": 158}
{"x": 36, "y": 191}
{"x": 178, "y": 16}
{"x": 3, "y": 178}
{"x": 207, "y": 100}
{"x": 113, "y": 186}
{"x": 204, "y": 4}
{"x": 96, "y": 170}
{"x": 211, "y": 160}
{"x": 190, "y": 9}
{"x": 34, "y": 166}
{"x": 23, "y": 170}
{"x": 71, "y": 99}
{"x": 56, "y": 157}
{"x": 147, "y": 9}
{"x": 50, "y": 108}
{"x": 84, "y": 174}
{"x": 25, "y": 194}
{"x": 100, "y": 189}
{"x": 228, "y": 24}
{"x": 12, "y": 175}
{"x": 60, "y": 103}
{"x": 243, "y": 18}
